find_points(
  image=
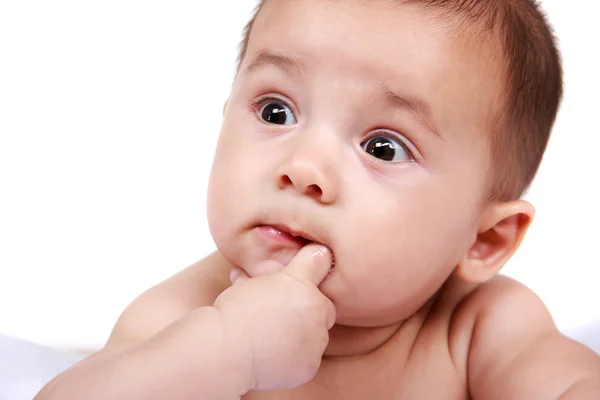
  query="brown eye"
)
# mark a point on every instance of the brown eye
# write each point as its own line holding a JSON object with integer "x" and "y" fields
{"x": 277, "y": 113}
{"x": 386, "y": 149}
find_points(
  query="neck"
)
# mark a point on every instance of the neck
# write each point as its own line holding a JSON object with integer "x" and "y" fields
{"x": 348, "y": 342}
{"x": 351, "y": 342}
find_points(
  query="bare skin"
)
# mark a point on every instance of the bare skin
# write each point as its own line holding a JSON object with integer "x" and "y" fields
{"x": 436, "y": 345}
{"x": 360, "y": 127}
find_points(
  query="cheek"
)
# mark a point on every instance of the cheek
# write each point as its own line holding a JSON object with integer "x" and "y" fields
{"x": 409, "y": 222}
{"x": 238, "y": 182}
{"x": 408, "y": 244}
{"x": 225, "y": 188}
{"x": 399, "y": 250}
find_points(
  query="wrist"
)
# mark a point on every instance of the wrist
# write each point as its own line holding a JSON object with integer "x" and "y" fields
{"x": 235, "y": 348}
{"x": 198, "y": 359}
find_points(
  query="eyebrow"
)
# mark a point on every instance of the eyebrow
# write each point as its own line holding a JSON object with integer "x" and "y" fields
{"x": 291, "y": 65}
{"x": 296, "y": 66}
{"x": 419, "y": 107}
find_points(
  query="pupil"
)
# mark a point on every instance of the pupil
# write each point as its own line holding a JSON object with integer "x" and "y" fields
{"x": 274, "y": 114}
{"x": 382, "y": 149}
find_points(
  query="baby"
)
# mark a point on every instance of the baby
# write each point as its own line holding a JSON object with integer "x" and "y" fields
{"x": 364, "y": 196}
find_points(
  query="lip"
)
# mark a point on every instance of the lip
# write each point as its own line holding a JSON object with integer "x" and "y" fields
{"x": 295, "y": 232}
{"x": 282, "y": 235}
{"x": 286, "y": 235}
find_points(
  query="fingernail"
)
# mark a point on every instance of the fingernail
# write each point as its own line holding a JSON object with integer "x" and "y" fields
{"x": 321, "y": 251}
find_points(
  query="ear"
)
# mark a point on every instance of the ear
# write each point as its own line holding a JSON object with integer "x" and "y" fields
{"x": 502, "y": 228}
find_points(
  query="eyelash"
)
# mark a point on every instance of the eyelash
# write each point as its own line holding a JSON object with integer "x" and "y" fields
{"x": 258, "y": 103}
{"x": 395, "y": 137}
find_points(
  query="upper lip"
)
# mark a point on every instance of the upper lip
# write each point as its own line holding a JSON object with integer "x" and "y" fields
{"x": 295, "y": 232}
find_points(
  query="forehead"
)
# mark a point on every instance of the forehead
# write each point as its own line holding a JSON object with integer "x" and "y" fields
{"x": 407, "y": 48}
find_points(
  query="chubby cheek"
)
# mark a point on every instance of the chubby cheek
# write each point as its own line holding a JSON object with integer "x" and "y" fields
{"x": 385, "y": 288}
{"x": 227, "y": 197}
{"x": 392, "y": 262}
{"x": 220, "y": 210}
{"x": 237, "y": 186}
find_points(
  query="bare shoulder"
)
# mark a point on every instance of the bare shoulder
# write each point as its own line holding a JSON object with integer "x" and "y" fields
{"x": 505, "y": 308}
{"x": 515, "y": 349}
{"x": 196, "y": 286}
{"x": 506, "y": 299}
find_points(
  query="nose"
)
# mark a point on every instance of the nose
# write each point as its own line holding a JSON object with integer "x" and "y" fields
{"x": 310, "y": 172}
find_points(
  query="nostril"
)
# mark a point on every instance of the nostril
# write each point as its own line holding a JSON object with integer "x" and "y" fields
{"x": 285, "y": 180}
{"x": 314, "y": 190}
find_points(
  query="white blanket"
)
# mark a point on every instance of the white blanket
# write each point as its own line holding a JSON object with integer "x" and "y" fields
{"x": 26, "y": 367}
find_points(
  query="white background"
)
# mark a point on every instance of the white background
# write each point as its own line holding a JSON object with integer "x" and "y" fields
{"x": 109, "y": 113}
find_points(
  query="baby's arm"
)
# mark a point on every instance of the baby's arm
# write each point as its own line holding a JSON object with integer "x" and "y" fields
{"x": 518, "y": 353}
{"x": 178, "y": 342}
{"x": 166, "y": 333}
{"x": 194, "y": 287}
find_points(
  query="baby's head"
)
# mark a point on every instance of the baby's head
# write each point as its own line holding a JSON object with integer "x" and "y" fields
{"x": 399, "y": 133}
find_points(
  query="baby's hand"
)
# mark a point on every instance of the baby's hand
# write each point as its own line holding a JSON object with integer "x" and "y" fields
{"x": 280, "y": 321}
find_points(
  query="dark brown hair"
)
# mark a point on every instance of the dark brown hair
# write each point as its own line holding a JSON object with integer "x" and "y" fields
{"x": 532, "y": 87}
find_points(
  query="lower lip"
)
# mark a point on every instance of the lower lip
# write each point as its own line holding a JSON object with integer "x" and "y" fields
{"x": 281, "y": 237}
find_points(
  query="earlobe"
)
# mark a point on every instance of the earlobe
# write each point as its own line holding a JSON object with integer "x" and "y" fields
{"x": 501, "y": 230}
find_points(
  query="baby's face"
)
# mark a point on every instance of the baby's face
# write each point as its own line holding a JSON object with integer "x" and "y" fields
{"x": 362, "y": 126}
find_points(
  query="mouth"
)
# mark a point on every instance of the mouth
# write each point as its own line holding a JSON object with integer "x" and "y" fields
{"x": 306, "y": 237}
{"x": 286, "y": 235}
